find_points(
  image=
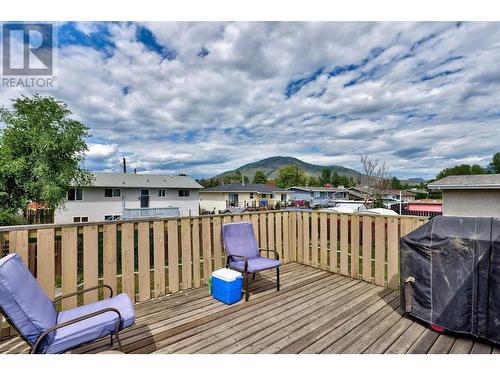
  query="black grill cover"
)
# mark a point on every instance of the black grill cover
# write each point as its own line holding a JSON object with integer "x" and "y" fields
{"x": 455, "y": 262}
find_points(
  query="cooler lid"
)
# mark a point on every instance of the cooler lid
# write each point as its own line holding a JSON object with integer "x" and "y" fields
{"x": 226, "y": 274}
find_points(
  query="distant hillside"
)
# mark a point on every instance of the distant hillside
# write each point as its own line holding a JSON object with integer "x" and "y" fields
{"x": 271, "y": 165}
{"x": 414, "y": 181}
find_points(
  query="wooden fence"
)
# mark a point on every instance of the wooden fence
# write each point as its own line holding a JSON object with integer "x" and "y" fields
{"x": 151, "y": 258}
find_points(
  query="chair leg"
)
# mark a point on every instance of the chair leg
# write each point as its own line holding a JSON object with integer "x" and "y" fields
{"x": 118, "y": 341}
{"x": 247, "y": 293}
{"x": 278, "y": 279}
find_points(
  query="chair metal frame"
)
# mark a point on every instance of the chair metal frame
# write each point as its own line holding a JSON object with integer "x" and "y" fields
{"x": 245, "y": 270}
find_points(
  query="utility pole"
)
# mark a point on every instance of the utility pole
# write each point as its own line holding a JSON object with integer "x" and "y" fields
{"x": 124, "y": 165}
{"x": 400, "y": 202}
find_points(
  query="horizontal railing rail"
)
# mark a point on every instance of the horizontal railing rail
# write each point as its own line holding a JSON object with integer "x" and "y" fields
{"x": 148, "y": 258}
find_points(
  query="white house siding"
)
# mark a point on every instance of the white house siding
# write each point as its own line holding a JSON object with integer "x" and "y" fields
{"x": 95, "y": 206}
{"x": 188, "y": 206}
{"x": 213, "y": 201}
{"x": 482, "y": 203}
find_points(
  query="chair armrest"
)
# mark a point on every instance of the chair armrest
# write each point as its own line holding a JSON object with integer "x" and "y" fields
{"x": 272, "y": 251}
{"x": 77, "y": 320}
{"x": 245, "y": 259}
{"x": 84, "y": 291}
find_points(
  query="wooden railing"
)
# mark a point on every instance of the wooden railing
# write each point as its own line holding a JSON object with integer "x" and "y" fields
{"x": 151, "y": 258}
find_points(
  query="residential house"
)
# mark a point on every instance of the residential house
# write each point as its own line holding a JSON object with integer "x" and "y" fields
{"x": 114, "y": 196}
{"x": 218, "y": 198}
{"x": 470, "y": 195}
{"x": 316, "y": 195}
{"x": 389, "y": 196}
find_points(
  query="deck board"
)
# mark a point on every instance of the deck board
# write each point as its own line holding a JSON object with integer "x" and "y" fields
{"x": 315, "y": 312}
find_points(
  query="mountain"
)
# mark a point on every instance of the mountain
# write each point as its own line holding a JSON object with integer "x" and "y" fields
{"x": 414, "y": 181}
{"x": 271, "y": 165}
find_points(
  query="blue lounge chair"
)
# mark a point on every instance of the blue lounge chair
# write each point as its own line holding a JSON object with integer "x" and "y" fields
{"x": 26, "y": 307}
{"x": 244, "y": 255}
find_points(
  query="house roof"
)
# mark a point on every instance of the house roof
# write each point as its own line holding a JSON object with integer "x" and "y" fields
{"x": 314, "y": 188}
{"x": 396, "y": 192}
{"x": 132, "y": 180}
{"x": 247, "y": 188}
{"x": 365, "y": 189}
{"x": 474, "y": 181}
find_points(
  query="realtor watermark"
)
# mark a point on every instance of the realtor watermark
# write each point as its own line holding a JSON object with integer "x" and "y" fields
{"x": 29, "y": 56}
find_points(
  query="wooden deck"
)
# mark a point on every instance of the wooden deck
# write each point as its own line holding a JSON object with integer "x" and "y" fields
{"x": 315, "y": 312}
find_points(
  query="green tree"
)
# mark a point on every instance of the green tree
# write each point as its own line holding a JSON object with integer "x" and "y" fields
{"x": 235, "y": 178}
{"x": 396, "y": 184}
{"x": 259, "y": 178}
{"x": 335, "y": 179}
{"x": 41, "y": 154}
{"x": 462, "y": 169}
{"x": 290, "y": 175}
{"x": 495, "y": 163}
{"x": 326, "y": 176}
{"x": 313, "y": 181}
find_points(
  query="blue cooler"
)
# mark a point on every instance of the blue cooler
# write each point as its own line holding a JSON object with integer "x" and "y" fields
{"x": 226, "y": 285}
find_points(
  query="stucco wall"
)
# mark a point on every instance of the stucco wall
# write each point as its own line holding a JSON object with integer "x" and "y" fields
{"x": 471, "y": 203}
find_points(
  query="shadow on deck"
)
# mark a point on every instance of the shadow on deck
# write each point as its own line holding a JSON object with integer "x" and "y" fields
{"x": 315, "y": 312}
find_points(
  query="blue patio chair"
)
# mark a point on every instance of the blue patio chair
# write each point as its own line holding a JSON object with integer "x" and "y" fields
{"x": 244, "y": 255}
{"x": 30, "y": 311}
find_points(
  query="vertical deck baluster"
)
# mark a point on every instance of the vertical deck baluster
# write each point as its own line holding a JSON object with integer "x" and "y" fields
{"x": 159, "y": 257}
{"x": 367, "y": 248}
{"x": 109, "y": 256}
{"x": 173, "y": 256}
{"x": 355, "y": 246}
{"x": 333, "y": 242}
{"x": 380, "y": 250}
{"x": 128, "y": 277}
{"x": 187, "y": 269}
{"x": 196, "y": 253}
{"x": 314, "y": 239}
{"x": 143, "y": 254}
{"x": 69, "y": 262}
{"x": 90, "y": 262}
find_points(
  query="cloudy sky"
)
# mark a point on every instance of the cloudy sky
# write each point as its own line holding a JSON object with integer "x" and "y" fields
{"x": 202, "y": 98}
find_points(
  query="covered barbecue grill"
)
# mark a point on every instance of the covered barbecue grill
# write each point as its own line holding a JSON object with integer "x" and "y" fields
{"x": 450, "y": 274}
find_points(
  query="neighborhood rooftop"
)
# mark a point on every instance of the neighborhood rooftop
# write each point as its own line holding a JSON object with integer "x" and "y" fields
{"x": 244, "y": 188}
{"x": 133, "y": 180}
{"x": 315, "y": 188}
{"x": 481, "y": 181}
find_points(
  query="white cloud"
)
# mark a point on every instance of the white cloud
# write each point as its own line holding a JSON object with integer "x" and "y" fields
{"x": 100, "y": 151}
{"x": 424, "y": 95}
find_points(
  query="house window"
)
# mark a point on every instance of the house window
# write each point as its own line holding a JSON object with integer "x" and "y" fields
{"x": 316, "y": 194}
{"x": 271, "y": 196}
{"x": 112, "y": 193}
{"x": 184, "y": 193}
{"x": 264, "y": 195}
{"x": 80, "y": 219}
{"x": 251, "y": 195}
{"x": 75, "y": 194}
{"x": 162, "y": 193}
{"x": 111, "y": 217}
{"x": 283, "y": 197}
{"x": 233, "y": 199}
